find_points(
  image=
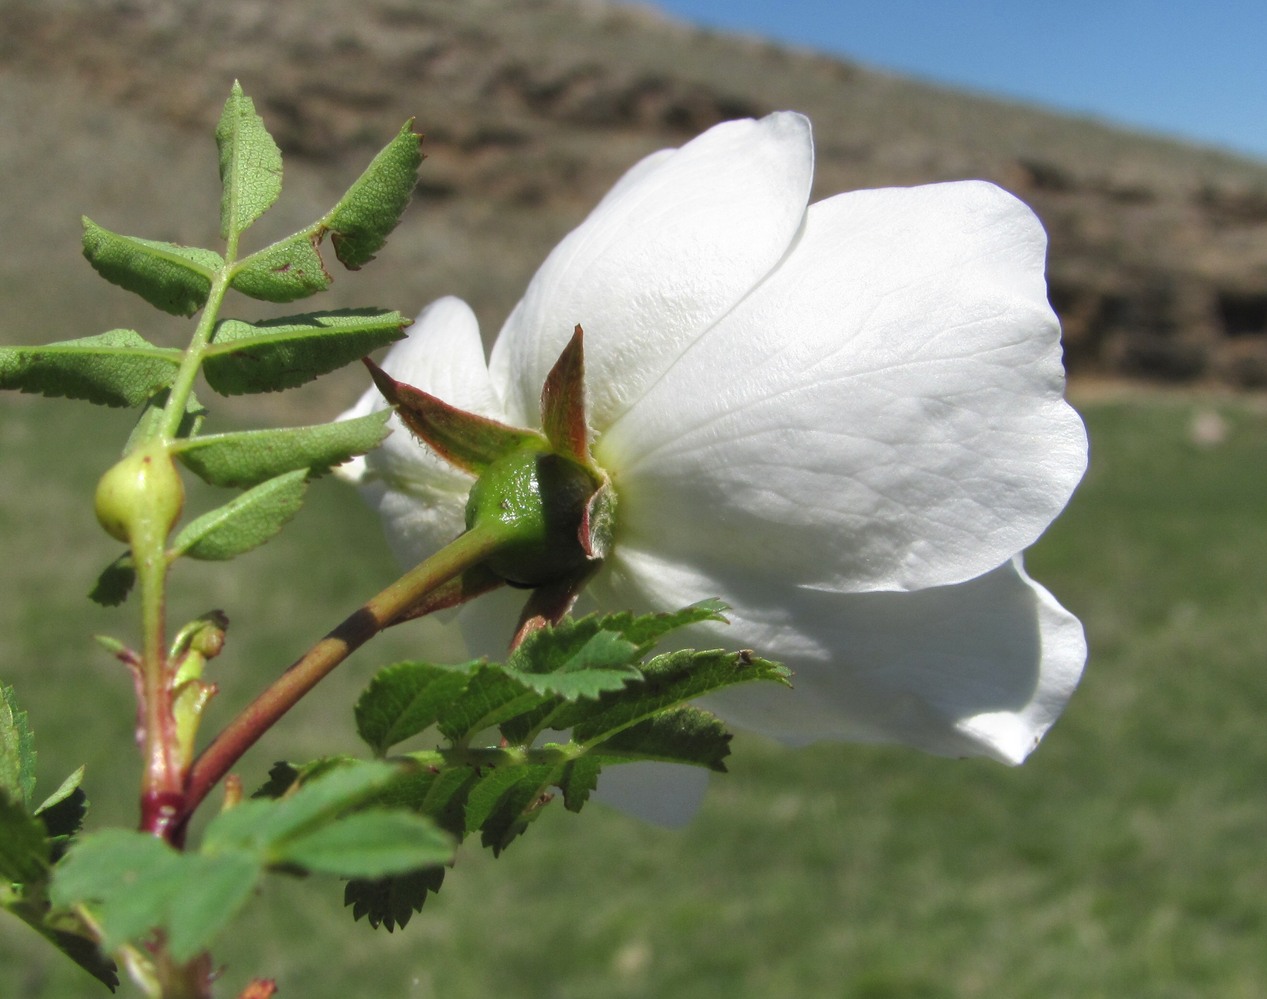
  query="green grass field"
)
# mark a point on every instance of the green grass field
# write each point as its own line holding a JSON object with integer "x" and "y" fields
{"x": 1126, "y": 859}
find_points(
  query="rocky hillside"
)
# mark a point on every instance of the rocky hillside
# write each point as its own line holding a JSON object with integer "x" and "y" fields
{"x": 531, "y": 108}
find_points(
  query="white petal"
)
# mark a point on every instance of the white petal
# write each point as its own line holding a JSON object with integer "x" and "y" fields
{"x": 678, "y": 242}
{"x": 981, "y": 668}
{"x": 422, "y": 497}
{"x": 884, "y": 412}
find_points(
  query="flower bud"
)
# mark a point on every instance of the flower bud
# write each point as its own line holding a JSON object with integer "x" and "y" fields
{"x": 538, "y": 501}
{"x": 141, "y": 495}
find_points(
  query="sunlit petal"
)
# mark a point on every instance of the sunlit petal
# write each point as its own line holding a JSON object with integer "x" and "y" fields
{"x": 662, "y": 257}
{"x": 884, "y": 412}
{"x": 981, "y": 668}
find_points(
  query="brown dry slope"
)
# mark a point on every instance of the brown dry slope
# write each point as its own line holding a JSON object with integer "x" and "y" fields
{"x": 532, "y": 107}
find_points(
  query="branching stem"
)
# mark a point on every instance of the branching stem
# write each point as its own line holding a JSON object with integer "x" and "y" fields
{"x": 381, "y": 611}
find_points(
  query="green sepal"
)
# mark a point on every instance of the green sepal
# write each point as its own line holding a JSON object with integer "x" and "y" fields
{"x": 17, "y": 749}
{"x": 284, "y": 353}
{"x": 250, "y": 164}
{"x": 405, "y": 699}
{"x": 244, "y": 523}
{"x": 467, "y": 440}
{"x": 174, "y": 278}
{"x": 115, "y": 582}
{"x": 284, "y": 271}
{"x": 117, "y": 368}
{"x": 249, "y": 457}
{"x": 371, "y": 208}
{"x": 563, "y": 403}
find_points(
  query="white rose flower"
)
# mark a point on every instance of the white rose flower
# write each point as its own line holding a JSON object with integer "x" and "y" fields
{"x": 845, "y": 420}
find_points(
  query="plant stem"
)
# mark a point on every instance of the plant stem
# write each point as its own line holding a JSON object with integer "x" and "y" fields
{"x": 183, "y": 384}
{"x": 383, "y": 610}
{"x": 162, "y": 779}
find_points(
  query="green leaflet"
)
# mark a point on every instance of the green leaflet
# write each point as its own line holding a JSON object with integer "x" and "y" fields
{"x": 670, "y": 679}
{"x": 681, "y": 734}
{"x": 117, "y": 368}
{"x": 31, "y": 840}
{"x": 24, "y": 855}
{"x": 115, "y": 582}
{"x": 134, "y": 883}
{"x": 250, "y": 457}
{"x": 176, "y": 279}
{"x": 358, "y": 226}
{"x": 406, "y": 699}
{"x": 370, "y": 844}
{"x": 364, "y": 217}
{"x": 17, "y": 749}
{"x": 245, "y": 522}
{"x": 284, "y": 271}
{"x": 283, "y": 353}
{"x": 505, "y": 800}
{"x": 250, "y": 164}
{"x": 391, "y": 901}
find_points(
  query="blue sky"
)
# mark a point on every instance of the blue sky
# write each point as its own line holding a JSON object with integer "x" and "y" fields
{"x": 1194, "y": 70}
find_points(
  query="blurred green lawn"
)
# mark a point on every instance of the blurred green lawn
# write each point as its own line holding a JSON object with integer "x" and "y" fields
{"x": 1126, "y": 859}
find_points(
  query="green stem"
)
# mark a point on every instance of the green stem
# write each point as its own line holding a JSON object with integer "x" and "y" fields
{"x": 183, "y": 384}
{"x": 467, "y": 551}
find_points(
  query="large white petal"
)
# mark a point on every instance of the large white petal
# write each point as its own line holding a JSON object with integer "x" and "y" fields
{"x": 421, "y": 497}
{"x": 980, "y": 668}
{"x": 884, "y": 412}
{"x": 674, "y": 246}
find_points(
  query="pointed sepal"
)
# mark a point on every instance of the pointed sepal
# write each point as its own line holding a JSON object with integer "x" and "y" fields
{"x": 467, "y": 440}
{"x": 563, "y": 403}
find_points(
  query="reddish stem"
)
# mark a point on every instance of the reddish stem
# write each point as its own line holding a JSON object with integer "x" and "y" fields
{"x": 383, "y": 610}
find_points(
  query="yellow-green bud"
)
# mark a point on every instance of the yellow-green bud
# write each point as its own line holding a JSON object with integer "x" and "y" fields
{"x": 142, "y": 495}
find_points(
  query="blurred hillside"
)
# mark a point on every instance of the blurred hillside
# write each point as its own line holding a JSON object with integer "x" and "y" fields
{"x": 531, "y": 108}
